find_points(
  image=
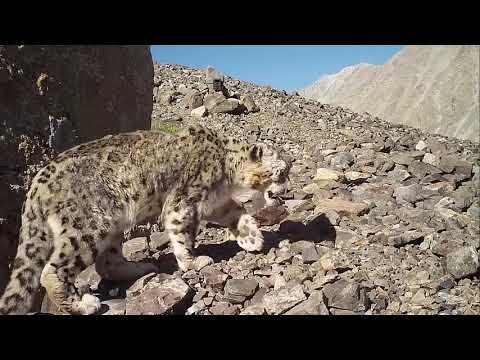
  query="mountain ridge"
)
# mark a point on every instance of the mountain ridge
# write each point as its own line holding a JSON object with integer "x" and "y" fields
{"x": 434, "y": 88}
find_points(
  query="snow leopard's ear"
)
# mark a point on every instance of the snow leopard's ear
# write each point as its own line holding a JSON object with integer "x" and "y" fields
{"x": 256, "y": 152}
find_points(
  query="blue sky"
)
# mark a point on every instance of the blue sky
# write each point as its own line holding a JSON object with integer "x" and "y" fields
{"x": 284, "y": 67}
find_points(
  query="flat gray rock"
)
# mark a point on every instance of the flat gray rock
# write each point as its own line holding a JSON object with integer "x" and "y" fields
{"x": 281, "y": 300}
{"x": 241, "y": 287}
{"x": 159, "y": 296}
{"x": 463, "y": 262}
{"x": 314, "y": 305}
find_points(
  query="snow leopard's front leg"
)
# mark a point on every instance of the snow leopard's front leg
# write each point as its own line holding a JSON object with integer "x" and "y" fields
{"x": 241, "y": 227}
{"x": 181, "y": 223}
{"x": 246, "y": 232}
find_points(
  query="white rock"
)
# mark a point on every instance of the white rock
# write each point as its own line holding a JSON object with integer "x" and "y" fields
{"x": 199, "y": 112}
{"x": 356, "y": 176}
{"x": 196, "y": 308}
{"x": 327, "y": 174}
{"x": 201, "y": 261}
{"x": 183, "y": 89}
{"x": 257, "y": 309}
{"x": 444, "y": 202}
{"x": 135, "y": 249}
{"x": 291, "y": 205}
{"x": 279, "y": 282}
{"x": 281, "y": 300}
{"x": 421, "y": 145}
{"x": 462, "y": 262}
{"x": 430, "y": 159}
{"x": 368, "y": 146}
{"x": 328, "y": 152}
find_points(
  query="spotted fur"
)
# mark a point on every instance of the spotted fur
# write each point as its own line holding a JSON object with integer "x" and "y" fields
{"x": 79, "y": 206}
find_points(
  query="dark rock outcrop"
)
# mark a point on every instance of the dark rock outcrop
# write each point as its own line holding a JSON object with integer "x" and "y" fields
{"x": 54, "y": 97}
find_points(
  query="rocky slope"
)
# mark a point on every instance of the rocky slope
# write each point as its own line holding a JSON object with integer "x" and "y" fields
{"x": 54, "y": 97}
{"x": 382, "y": 218}
{"x": 435, "y": 88}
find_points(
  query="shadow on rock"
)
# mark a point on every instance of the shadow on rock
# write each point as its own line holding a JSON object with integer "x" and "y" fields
{"x": 317, "y": 230}
{"x": 229, "y": 249}
{"x": 219, "y": 252}
{"x": 272, "y": 239}
{"x": 166, "y": 263}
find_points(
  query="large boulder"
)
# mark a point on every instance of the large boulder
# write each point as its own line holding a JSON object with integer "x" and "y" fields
{"x": 54, "y": 97}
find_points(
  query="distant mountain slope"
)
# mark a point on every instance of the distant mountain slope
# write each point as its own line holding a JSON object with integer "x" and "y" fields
{"x": 435, "y": 88}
